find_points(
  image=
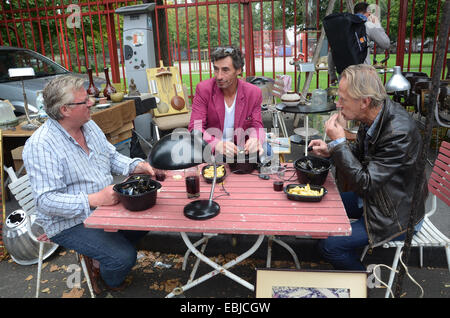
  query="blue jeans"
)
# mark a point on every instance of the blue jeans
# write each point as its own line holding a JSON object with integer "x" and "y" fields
{"x": 115, "y": 251}
{"x": 343, "y": 251}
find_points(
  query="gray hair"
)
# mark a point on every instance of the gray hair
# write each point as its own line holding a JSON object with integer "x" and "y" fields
{"x": 59, "y": 92}
{"x": 231, "y": 51}
{"x": 363, "y": 81}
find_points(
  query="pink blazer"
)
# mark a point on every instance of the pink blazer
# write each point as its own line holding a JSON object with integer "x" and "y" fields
{"x": 208, "y": 111}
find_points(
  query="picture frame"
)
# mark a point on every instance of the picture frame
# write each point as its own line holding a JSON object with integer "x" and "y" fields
{"x": 2, "y": 199}
{"x": 282, "y": 283}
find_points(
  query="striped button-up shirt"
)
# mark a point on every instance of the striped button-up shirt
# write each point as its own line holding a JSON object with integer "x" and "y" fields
{"x": 62, "y": 174}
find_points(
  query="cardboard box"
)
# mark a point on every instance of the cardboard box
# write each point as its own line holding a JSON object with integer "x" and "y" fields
{"x": 124, "y": 128}
{"x": 120, "y": 134}
{"x": 17, "y": 157}
{"x": 115, "y": 117}
{"x": 120, "y": 137}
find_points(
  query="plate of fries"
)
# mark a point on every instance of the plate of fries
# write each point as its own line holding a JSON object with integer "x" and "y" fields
{"x": 305, "y": 192}
{"x": 208, "y": 173}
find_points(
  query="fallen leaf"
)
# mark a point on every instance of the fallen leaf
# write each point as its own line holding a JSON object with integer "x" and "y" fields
{"x": 46, "y": 290}
{"x": 30, "y": 277}
{"x": 62, "y": 253}
{"x": 170, "y": 284}
{"x": 44, "y": 281}
{"x": 74, "y": 293}
{"x": 54, "y": 268}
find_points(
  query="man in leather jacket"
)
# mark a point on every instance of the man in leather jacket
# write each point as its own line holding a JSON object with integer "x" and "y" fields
{"x": 379, "y": 169}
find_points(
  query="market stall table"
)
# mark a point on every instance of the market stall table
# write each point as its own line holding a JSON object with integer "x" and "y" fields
{"x": 109, "y": 120}
{"x": 252, "y": 207}
{"x": 306, "y": 110}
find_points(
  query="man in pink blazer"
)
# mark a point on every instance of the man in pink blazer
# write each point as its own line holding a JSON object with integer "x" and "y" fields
{"x": 226, "y": 109}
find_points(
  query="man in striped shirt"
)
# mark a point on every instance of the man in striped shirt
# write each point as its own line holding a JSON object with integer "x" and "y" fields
{"x": 70, "y": 164}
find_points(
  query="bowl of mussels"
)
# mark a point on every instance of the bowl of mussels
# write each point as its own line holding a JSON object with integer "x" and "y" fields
{"x": 138, "y": 192}
{"x": 313, "y": 170}
{"x": 243, "y": 163}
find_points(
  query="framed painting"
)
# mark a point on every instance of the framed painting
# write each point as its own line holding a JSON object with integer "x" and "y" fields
{"x": 274, "y": 283}
{"x": 2, "y": 198}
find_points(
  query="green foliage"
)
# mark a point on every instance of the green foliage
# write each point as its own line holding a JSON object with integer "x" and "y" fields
{"x": 55, "y": 22}
{"x": 216, "y": 16}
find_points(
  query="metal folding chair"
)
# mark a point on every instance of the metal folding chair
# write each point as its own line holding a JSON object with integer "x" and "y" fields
{"x": 21, "y": 189}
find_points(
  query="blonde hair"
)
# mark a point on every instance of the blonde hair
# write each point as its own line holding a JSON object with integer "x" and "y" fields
{"x": 363, "y": 81}
{"x": 59, "y": 92}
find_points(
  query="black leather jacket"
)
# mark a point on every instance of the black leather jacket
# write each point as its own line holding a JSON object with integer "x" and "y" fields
{"x": 386, "y": 176}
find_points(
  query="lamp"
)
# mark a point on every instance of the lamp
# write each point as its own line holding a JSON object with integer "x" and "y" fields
{"x": 397, "y": 82}
{"x": 180, "y": 150}
{"x": 21, "y": 73}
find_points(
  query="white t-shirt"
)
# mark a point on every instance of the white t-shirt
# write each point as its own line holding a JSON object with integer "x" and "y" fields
{"x": 228, "y": 123}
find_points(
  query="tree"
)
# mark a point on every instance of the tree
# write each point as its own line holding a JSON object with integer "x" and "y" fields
{"x": 206, "y": 16}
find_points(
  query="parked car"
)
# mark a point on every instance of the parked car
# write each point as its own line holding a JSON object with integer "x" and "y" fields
{"x": 44, "y": 68}
{"x": 427, "y": 46}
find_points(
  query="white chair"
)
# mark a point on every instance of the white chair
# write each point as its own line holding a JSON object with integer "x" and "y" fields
{"x": 21, "y": 189}
{"x": 281, "y": 86}
{"x": 428, "y": 235}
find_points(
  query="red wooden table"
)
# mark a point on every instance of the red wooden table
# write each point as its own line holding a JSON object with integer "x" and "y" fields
{"x": 252, "y": 207}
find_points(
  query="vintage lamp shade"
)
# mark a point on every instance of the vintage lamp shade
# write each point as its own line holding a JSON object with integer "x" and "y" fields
{"x": 181, "y": 150}
{"x": 397, "y": 82}
{"x": 21, "y": 73}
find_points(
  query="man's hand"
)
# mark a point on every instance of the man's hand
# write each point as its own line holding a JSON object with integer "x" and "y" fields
{"x": 144, "y": 168}
{"x": 319, "y": 148}
{"x": 252, "y": 145}
{"x": 333, "y": 129}
{"x": 107, "y": 196}
{"x": 226, "y": 148}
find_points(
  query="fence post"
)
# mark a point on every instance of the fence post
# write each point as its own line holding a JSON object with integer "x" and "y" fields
{"x": 112, "y": 45}
{"x": 401, "y": 32}
{"x": 248, "y": 36}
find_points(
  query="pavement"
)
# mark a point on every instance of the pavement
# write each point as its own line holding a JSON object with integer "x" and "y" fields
{"x": 160, "y": 256}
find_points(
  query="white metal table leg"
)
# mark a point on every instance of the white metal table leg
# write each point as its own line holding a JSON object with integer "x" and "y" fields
{"x": 197, "y": 261}
{"x": 271, "y": 239}
{"x": 217, "y": 268}
{"x": 186, "y": 255}
{"x": 269, "y": 251}
{"x": 41, "y": 253}
{"x": 290, "y": 250}
{"x": 307, "y": 136}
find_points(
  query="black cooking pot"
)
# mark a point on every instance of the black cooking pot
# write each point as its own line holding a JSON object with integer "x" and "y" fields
{"x": 243, "y": 163}
{"x": 312, "y": 170}
{"x": 138, "y": 192}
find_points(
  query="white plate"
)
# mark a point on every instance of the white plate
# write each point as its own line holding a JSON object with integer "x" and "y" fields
{"x": 102, "y": 106}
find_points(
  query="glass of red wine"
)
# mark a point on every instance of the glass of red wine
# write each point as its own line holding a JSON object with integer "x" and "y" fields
{"x": 192, "y": 179}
